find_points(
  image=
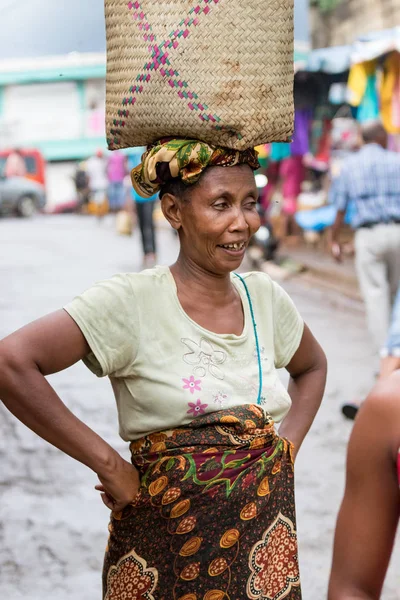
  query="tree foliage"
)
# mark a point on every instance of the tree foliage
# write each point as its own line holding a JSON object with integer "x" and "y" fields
{"x": 325, "y": 5}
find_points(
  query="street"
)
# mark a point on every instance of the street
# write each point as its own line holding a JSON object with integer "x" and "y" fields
{"x": 53, "y": 525}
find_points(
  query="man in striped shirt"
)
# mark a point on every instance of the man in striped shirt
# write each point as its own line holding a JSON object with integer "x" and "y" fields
{"x": 370, "y": 179}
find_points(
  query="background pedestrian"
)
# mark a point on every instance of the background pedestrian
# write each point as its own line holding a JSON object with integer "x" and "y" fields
{"x": 145, "y": 215}
{"x": 116, "y": 171}
{"x": 370, "y": 179}
{"x": 96, "y": 169}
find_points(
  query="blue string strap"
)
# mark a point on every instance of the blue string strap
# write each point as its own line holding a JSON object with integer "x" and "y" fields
{"x": 260, "y": 374}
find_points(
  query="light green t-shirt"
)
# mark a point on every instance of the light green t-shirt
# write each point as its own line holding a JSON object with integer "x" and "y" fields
{"x": 165, "y": 369}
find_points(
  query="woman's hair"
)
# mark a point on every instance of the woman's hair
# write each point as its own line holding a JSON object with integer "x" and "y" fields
{"x": 177, "y": 187}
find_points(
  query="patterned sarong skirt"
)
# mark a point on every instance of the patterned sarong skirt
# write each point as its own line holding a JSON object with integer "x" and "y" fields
{"x": 214, "y": 518}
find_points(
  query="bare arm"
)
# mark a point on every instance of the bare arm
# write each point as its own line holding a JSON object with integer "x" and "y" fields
{"x": 369, "y": 514}
{"x": 339, "y": 197}
{"x": 307, "y": 370}
{"x": 336, "y": 227}
{"x": 47, "y": 346}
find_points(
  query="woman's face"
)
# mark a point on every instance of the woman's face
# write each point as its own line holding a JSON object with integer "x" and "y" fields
{"x": 218, "y": 218}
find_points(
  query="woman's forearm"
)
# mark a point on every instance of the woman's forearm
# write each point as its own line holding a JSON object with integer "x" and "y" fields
{"x": 28, "y": 395}
{"x": 306, "y": 392}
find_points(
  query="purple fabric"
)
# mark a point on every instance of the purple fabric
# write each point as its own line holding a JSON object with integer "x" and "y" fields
{"x": 300, "y": 145}
{"x": 116, "y": 170}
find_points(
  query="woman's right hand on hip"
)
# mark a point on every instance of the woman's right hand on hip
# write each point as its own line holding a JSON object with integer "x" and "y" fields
{"x": 120, "y": 487}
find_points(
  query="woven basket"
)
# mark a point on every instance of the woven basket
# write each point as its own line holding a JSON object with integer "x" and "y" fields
{"x": 216, "y": 70}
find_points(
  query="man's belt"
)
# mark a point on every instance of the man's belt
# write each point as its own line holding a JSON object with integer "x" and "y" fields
{"x": 370, "y": 224}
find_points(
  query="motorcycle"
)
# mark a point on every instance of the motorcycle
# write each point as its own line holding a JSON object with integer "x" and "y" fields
{"x": 263, "y": 245}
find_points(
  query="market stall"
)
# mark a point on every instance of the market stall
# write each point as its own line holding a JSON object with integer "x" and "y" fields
{"x": 346, "y": 86}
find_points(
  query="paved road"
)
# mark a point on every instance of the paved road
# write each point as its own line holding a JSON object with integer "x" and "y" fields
{"x": 53, "y": 528}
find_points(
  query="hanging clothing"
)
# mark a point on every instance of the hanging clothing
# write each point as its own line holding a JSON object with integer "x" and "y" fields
{"x": 396, "y": 104}
{"x": 323, "y": 152}
{"x": 302, "y": 122}
{"x": 369, "y": 107}
{"x": 293, "y": 174}
{"x": 279, "y": 151}
{"x": 358, "y": 81}
{"x": 390, "y": 92}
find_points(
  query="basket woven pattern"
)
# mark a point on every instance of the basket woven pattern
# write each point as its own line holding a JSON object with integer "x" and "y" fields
{"x": 216, "y": 70}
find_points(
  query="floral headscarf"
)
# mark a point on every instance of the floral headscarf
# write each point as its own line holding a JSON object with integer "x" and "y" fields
{"x": 186, "y": 159}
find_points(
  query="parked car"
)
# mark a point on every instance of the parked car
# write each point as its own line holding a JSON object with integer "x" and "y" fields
{"x": 21, "y": 196}
{"x": 34, "y": 162}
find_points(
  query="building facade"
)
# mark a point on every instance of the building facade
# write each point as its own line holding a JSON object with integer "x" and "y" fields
{"x": 340, "y": 22}
{"x": 55, "y": 104}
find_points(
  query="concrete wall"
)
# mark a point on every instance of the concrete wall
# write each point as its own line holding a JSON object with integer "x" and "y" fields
{"x": 351, "y": 19}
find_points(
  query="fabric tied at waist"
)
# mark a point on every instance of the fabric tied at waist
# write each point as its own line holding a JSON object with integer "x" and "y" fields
{"x": 215, "y": 514}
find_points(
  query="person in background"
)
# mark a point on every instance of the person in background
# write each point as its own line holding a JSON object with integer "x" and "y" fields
{"x": 116, "y": 171}
{"x": 15, "y": 165}
{"x": 81, "y": 181}
{"x": 293, "y": 173}
{"x": 145, "y": 214}
{"x": 96, "y": 170}
{"x": 369, "y": 514}
{"x": 370, "y": 180}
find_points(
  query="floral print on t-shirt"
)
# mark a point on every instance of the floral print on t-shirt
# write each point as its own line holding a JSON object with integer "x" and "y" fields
{"x": 192, "y": 384}
{"x": 204, "y": 357}
{"x": 197, "y": 408}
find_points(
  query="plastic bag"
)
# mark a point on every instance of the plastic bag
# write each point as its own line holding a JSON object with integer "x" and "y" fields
{"x": 124, "y": 222}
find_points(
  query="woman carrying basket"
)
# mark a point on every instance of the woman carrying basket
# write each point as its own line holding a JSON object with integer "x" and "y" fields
{"x": 206, "y": 509}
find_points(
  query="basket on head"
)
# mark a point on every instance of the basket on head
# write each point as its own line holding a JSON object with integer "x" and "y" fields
{"x": 216, "y": 70}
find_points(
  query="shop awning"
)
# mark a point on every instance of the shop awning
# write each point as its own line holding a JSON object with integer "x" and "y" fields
{"x": 339, "y": 59}
{"x": 376, "y": 44}
{"x": 329, "y": 60}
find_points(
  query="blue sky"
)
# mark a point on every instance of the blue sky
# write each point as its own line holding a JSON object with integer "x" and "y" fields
{"x": 301, "y": 24}
{"x": 42, "y": 27}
